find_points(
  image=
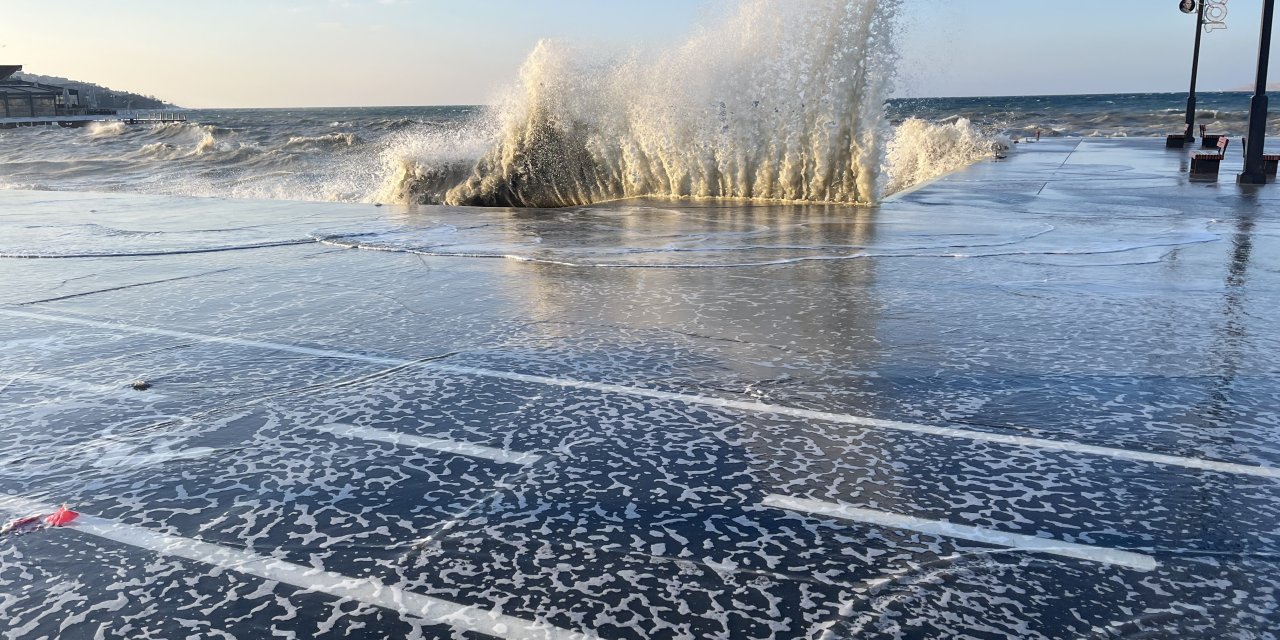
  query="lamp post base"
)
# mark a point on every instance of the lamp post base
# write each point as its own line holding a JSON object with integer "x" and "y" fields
{"x": 1251, "y": 178}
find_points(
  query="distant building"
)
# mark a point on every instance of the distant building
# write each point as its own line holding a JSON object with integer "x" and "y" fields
{"x": 22, "y": 99}
{"x": 35, "y": 104}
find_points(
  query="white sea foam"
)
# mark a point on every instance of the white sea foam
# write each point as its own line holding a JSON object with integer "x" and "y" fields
{"x": 157, "y": 150}
{"x": 423, "y": 163}
{"x": 768, "y": 99}
{"x": 105, "y": 129}
{"x": 208, "y": 142}
{"x": 921, "y": 151}
{"x": 345, "y": 139}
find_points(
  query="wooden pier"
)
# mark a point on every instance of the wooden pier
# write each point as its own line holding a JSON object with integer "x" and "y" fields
{"x": 80, "y": 120}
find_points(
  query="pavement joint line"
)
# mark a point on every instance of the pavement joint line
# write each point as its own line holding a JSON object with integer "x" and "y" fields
{"x": 367, "y": 590}
{"x": 443, "y": 445}
{"x": 1020, "y": 542}
{"x": 723, "y": 403}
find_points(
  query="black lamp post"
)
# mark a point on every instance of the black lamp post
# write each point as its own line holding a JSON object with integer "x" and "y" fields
{"x": 1189, "y": 6}
{"x": 1254, "y": 172}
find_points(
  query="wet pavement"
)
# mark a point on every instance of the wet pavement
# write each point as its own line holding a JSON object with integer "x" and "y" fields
{"x": 1036, "y": 399}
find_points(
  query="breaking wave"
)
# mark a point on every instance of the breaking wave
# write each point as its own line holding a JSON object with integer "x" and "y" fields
{"x": 208, "y": 142}
{"x": 774, "y": 100}
{"x": 421, "y": 165}
{"x": 782, "y": 100}
{"x": 921, "y": 151}
{"x": 105, "y": 129}
{"x": 328, "y": 140}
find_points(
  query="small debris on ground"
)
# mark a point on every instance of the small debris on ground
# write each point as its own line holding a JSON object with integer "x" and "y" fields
{"x": 61, "y": 517}
{"x": 22, "y": 525}
{"x": 30, "y": 524}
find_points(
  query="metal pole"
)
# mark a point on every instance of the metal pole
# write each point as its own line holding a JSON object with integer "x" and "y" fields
{"x": 1253, "y": 165}
{"x": 1190, "y": 135}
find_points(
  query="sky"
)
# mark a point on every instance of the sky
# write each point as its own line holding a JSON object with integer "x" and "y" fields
{"x": 309, "y": 53}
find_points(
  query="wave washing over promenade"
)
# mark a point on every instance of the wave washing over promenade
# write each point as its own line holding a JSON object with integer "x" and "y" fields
{"x": 388, "y": 155}
{"x": 767, "y": 101}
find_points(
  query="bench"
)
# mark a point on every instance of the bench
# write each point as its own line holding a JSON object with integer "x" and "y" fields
{"x": 1175, "y": 141}
{"x": 1207, "y": 164}
{"x": 1208, "y": 140}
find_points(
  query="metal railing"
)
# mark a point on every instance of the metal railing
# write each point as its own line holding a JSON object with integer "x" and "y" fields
{"x": 131, "y": 117}
{"x": 151, "y": 115}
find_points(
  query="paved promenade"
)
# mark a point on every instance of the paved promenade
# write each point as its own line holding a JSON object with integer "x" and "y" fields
{"x": 1039, "y": 398}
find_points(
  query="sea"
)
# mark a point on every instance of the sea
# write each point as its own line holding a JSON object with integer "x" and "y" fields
{"x": 764, "y": 101}
{"x": 374, "y": 154}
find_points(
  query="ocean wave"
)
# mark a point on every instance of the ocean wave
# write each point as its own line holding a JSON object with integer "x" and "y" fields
{"x": 921, "y": 151}
{"x": 161, "y": 150}
{"x": 326, "y": 141}
{"x": 105, "y": 129}
{"x": 778, "y": 100}
{"x": 208, "y": 142}
{"x": 717, "y": 116}
{"x": 422, "y": 164}
{"x": 394, "y": 124}
{"x": 178, "y": 130}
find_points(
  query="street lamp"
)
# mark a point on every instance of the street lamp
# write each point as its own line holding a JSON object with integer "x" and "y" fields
{"x": 1254, "y": 172}
{"x": 1190, "y": 6}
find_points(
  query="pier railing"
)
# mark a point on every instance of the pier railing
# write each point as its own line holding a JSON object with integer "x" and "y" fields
{"x": 145, "y": 116}
{"x": 135, "y": 116}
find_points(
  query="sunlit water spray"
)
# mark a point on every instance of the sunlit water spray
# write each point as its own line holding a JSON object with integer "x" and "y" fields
{"x": 768, "y": 100}
{"x": 778, "y": 100}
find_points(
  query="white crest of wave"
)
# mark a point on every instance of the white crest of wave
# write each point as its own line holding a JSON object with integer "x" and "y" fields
{"x": 208, "y": 142}
{"x": 921, "y": 151}
{"x": 162, "y": 150}
{"x": 105, "y": 129}
{"x": 336, "y": 140}
{"x": 779, "y": 99}
{"x": 423, "y": 163}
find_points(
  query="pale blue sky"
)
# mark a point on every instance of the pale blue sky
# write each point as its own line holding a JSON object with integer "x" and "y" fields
{"x": 408, "y": 52}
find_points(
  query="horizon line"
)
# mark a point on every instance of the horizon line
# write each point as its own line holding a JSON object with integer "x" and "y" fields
{"x": 893, "y": 99}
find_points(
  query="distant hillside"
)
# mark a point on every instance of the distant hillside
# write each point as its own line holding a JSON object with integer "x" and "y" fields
{"x": 1274, "y": 86}
{"x": 93, "y": 95}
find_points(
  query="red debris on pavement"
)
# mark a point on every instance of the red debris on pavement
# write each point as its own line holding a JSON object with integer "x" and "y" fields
{"x": 29, "y": 524}
{"x": 60, "y": 517}
{"x": 21, "y": 525}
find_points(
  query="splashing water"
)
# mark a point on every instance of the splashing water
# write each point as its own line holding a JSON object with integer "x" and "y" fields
{"x": 782, "y": 100}
{"x": 105, "y": 129}
{"x": 422, "y": 164}
{"x": 921, "y": 151}
{"x": 775, "y": 100}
